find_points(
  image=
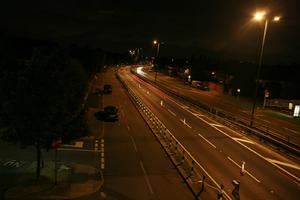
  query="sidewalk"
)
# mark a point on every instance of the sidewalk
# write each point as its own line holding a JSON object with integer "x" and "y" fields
{"x": 75, "y": 181}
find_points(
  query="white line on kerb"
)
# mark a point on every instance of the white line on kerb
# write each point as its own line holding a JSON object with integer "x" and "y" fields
{"x": 207, "y": 140}
{"x": 245, "y": 170}
{"x": 147, "y": 178}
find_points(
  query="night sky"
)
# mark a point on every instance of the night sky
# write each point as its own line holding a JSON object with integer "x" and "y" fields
{"x": 215, "y": 27}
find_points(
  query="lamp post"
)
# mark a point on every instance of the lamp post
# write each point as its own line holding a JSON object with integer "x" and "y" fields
{"x": 155, "y": 42}
{"x": 259, "y": 16}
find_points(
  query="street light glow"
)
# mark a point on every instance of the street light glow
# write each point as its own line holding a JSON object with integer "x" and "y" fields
{"x": 155, "y": 42}
{"x": 276, "y": 18}
{"x": 258, "y": 16}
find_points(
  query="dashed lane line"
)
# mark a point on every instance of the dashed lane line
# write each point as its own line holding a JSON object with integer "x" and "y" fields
{"x": 172, "y": 112}
{"x": 134, "y": 144}
{"x": 207, "y": 140}
{"x": 283, "y": 163}
{"x": 253, "y": 177}
{"x": 216, "y": 125}
{"x": 146, "y": 178}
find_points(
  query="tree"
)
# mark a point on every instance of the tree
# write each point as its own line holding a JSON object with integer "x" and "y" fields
{"x": 40, "y": 97}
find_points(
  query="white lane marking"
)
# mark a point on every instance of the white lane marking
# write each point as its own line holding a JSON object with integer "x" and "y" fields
{"x": 207, "y": 140}
{"x": 184, "y": 122}
{"x": 198, "y": 115}
{"x": 283, "y": 163}
{"x": 172, "y": 112}
{"x": 245, "y": 170}
{"x": 291, "y": 130}
{"x": 134, "y": 144}
{"x": 147, "y": 178}
{"x": 202, "y": 168}
{"x": 259, "y": 155}
{"x": 217, "y": 125}
{"x": 184, "y": 107}
{"x": 128, "y": 128}
{"x": 102, "y": 154}
{"x": 243, "y": 140}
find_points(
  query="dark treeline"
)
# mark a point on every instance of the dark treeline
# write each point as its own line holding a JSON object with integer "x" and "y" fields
{"x": 43, "y": 86}
{"x": 282, "y": 81}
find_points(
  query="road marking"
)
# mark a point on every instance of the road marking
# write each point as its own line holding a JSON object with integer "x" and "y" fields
{"x": 128, "y": 128}
{"x": 283, "y": 163}
{"x": 184, "y": 122}
{"x": 245, "y": 170}
{"x": 13, "y": 164}
{"x": 207, "y": 140}
{"x": 216, "y": 125}
{"x": 259, "y": 155}
{"x": 134, "y": 144}
{"x": 198, "y": 115}
{"x": 172, "y": 112}
{"x": 147, "y": 178}
{"x": 243, "y": 140}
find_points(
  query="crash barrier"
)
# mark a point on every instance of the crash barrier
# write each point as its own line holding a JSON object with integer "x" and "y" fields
{"x": 194, "y": 174}
{"x": 263, "y": 133}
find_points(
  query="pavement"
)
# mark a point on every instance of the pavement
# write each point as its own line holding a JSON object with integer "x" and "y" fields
{"x": 75, "y": 180}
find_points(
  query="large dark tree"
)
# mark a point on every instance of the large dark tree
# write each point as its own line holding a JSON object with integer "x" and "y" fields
{"x": 41, "y": 98}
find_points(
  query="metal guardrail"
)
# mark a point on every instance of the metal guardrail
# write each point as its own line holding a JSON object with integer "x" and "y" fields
{"x": 229, "y": 119}
{"x": 189, "y": 168}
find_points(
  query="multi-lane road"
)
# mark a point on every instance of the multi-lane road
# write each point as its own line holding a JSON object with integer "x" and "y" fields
{"x": 221, "y": 150}
{"x": 236, "y": 107}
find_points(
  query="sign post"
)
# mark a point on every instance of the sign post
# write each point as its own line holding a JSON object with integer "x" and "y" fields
{"x": 267, "y": 94}
{"x": 56, "y": 144}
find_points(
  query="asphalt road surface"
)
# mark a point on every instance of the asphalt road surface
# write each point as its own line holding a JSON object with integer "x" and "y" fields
{"x": 221, "y": 150}
{"x": 135, "y": 166}
{"x": 235, "y": 106}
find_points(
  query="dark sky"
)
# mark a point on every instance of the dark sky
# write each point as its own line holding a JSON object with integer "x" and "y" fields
{"x": 221, "y": 27}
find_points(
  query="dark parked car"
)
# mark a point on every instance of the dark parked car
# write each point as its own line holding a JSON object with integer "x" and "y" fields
{"x": 110, "y": 113}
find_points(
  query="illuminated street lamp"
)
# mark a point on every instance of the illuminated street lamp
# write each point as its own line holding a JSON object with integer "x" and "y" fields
{"x": 238, "y": 93}
{"x": 259, "y": 16}
{"x": 155, "y": 42}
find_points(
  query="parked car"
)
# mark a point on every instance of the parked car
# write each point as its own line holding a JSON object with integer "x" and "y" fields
{"x": 111, "y": 113}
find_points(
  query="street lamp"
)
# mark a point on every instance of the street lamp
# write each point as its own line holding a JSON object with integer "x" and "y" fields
{"x": 157, "y": 43}
{"x": 259, "y": 16}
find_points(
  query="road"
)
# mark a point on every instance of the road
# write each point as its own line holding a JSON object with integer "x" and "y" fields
{"x": 235, "y": 106}
{"x": 136, "y": 167}
{"x": 221, "y": 150}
